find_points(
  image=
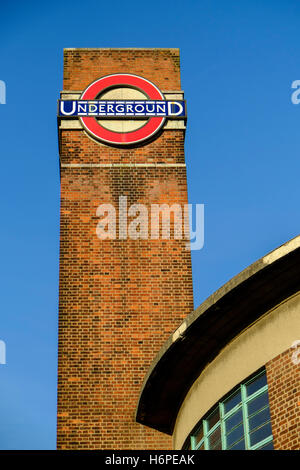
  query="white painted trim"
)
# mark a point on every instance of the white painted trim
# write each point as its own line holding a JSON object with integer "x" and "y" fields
{"x": 74, "y": 124}
{"x": 123, "y": 165}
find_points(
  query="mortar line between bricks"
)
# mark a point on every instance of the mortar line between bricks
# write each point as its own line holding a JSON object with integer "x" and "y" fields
{"x": 118, "y": 165}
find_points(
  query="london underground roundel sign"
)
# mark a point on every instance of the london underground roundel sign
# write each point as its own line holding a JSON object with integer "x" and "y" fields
{"x": 93, "y": 111}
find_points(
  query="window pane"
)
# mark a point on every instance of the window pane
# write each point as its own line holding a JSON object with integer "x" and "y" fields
{"x": 260, "y": 434}
{"x": 217, "y": 446}
{"x": 198, "y": 435}
{"x": 214, "y": 437}
{"x": 213, "y": 418}
{"x": 259, "y": 418}
{"x": 268, "y": 446}
{"x": 239, "y": 445}
{"x": 235, "y": 435}
{"x": 234, "y": 420}
{"x": 232, "y": 401}
{"x": 256, "y": 384}
{"x": 259, "y": 402}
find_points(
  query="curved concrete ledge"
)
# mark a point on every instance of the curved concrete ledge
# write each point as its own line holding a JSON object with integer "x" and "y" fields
{"x": 208, "y": 329}
{"x": 251, "y": 350}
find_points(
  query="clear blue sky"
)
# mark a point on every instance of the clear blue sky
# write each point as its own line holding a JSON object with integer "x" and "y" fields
{"x": 238, "y": 61}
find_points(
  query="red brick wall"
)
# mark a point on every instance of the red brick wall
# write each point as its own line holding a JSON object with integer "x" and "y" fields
{"x": 284, "y": 395}
{"x": 83, "y": 66}
{"x": 119, "y": 300}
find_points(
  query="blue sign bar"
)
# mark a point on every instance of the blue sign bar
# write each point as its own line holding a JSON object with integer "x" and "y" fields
{"x": 122, "y": 109}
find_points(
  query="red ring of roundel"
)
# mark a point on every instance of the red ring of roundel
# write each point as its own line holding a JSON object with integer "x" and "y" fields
{"x": 122, "y": 138}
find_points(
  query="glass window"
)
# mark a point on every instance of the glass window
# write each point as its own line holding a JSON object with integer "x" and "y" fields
{"x": 213, "y": 418}
{"x": 235, "y": 435}
{"x": 259, "y": 418}
{"x": 214, "y": 437}
{"x": 241, "y": 421}
{"x": 260, "y": 434}
{"x": 198, "y": 435}
{"x": 258, "y": 403}
{"x": 233, "y": 421}
{"x": 239, "y": 445}
{"x": 232, "y": 401}
{"x": 256, "y": 384}
{"x": 268, "y": 446}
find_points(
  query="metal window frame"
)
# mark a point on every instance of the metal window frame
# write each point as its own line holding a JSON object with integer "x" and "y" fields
{"x": 242, "y": 405}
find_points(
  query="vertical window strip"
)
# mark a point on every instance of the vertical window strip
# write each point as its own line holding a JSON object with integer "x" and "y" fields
{"x": 222, "y": 424}
{"x": 205, "y": 432}
{"x": 245, "y": 417}
{"x": 193, "y": 443}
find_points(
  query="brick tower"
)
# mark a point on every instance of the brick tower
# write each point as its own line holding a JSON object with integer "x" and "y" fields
{"x": 119, "y": 299}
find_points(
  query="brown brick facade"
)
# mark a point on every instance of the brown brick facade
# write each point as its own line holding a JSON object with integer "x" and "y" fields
{"x": 119, "y": 300}
{"x": 83, "y": 66}
{"x": 283, "y": 377}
